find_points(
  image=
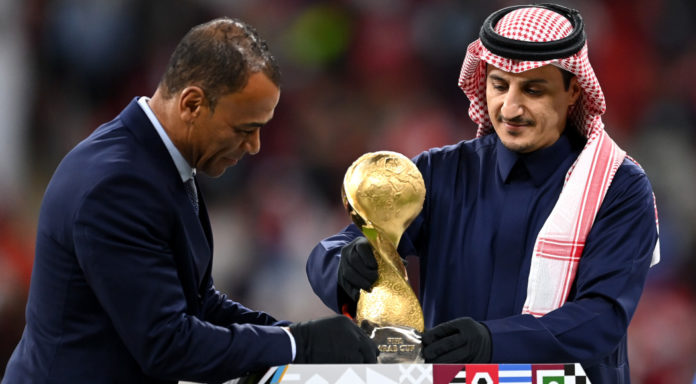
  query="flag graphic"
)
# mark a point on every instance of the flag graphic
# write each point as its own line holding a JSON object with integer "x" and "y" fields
{"x": 475, "y": 374}
{"x": 445, "y": 373}
{"x": 558, "y": 374}
{"x": 515, "y": 373}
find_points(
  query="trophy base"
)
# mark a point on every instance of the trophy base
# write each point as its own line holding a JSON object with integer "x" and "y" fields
{"x": 396, "y": 344}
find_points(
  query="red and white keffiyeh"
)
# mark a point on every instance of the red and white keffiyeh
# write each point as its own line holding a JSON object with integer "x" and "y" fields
{"x": 560, "y": 243}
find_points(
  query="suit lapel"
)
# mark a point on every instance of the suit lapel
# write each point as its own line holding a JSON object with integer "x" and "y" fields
{"x": 193, "y": 263}
{"x": 197, "y": 231}
{"x": 205, "y": 220}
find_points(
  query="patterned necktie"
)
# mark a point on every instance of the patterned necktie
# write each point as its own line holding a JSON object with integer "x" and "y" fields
{"x": 192, "y": 193}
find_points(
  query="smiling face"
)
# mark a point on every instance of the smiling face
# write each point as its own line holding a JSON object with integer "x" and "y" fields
{"x": 219, "y": 138}
{"x": 528, "y": 110}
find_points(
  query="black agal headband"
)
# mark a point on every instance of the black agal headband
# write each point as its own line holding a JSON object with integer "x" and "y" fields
{"x": 533, "y": 50}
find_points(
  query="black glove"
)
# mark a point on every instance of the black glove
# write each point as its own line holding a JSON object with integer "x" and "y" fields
{"x": 332, "y": 340}
{"x": 462, "y": 340}
{"x": 358, "y": 268}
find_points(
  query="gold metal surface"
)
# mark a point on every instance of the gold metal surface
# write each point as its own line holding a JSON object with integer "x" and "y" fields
{"x": 384, "y": 192}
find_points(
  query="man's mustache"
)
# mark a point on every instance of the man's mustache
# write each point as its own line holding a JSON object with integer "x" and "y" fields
{"x": 517, "y": 120}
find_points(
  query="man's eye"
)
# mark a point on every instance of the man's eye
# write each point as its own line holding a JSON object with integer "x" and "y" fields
{"x": 499, "y": 87}
{"x": 533, "y": 91}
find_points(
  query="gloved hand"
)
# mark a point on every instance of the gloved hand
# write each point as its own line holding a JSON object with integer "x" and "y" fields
{"x": 462, "y": 340}
{"x": 332, "y": 340}
{"x": 358, "y": 268}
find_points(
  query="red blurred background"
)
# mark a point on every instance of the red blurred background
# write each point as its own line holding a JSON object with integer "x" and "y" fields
{"x": 359, "y": 76}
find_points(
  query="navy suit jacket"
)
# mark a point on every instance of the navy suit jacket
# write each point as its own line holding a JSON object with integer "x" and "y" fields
{"x": 121, "y": 290}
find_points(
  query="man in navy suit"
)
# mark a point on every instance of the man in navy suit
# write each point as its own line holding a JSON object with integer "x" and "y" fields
{"x": 121, "y": 290}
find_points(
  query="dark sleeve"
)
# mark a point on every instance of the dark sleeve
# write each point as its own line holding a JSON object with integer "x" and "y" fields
{"x": 609, "y": 281}
{"x": 322, "y": 267}
{"x": 122, "y": 240}
{"x": 220, "y": 310}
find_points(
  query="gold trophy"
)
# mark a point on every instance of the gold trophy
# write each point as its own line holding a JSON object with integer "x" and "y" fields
{"x": 384, "y": 192}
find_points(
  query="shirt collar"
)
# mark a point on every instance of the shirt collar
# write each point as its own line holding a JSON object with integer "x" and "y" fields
{"x": 185, "y": 170}
{"x": 540, "y": 164}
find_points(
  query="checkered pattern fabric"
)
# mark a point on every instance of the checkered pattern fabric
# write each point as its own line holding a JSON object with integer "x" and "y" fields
{"x": 560, "y": 242}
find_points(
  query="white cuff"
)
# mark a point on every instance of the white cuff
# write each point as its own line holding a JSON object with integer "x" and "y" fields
{"x": 292, "y": 342}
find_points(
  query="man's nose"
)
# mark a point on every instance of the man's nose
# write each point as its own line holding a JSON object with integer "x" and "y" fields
{"x": 253, "y": 142}
{"x": 512, "y": 105}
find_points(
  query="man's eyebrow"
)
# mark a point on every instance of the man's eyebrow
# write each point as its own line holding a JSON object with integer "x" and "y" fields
{"x": 495, "y": 77}
{"x": 250, "y": 125}
{"x": 536, "y": 81}
{"x": 526, "y": 82}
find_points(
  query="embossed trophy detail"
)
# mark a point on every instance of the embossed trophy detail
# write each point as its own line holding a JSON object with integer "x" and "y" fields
{"x": 384, "y": 192}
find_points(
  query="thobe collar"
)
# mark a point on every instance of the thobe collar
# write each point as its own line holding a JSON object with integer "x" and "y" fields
{"x": 540, "y": 164}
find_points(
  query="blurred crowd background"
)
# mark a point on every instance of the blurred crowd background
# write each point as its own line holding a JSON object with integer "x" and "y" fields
{"x": 359, "y": 76}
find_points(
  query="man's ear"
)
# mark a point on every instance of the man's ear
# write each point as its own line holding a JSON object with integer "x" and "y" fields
{"x": 575, "y": 90}
{"x": 191, "y": 101}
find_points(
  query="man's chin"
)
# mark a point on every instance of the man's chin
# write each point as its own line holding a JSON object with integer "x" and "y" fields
{"x": 213, "y": 173}
{"x": 220, "y": 168}
{"x": 516, "y": 145}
